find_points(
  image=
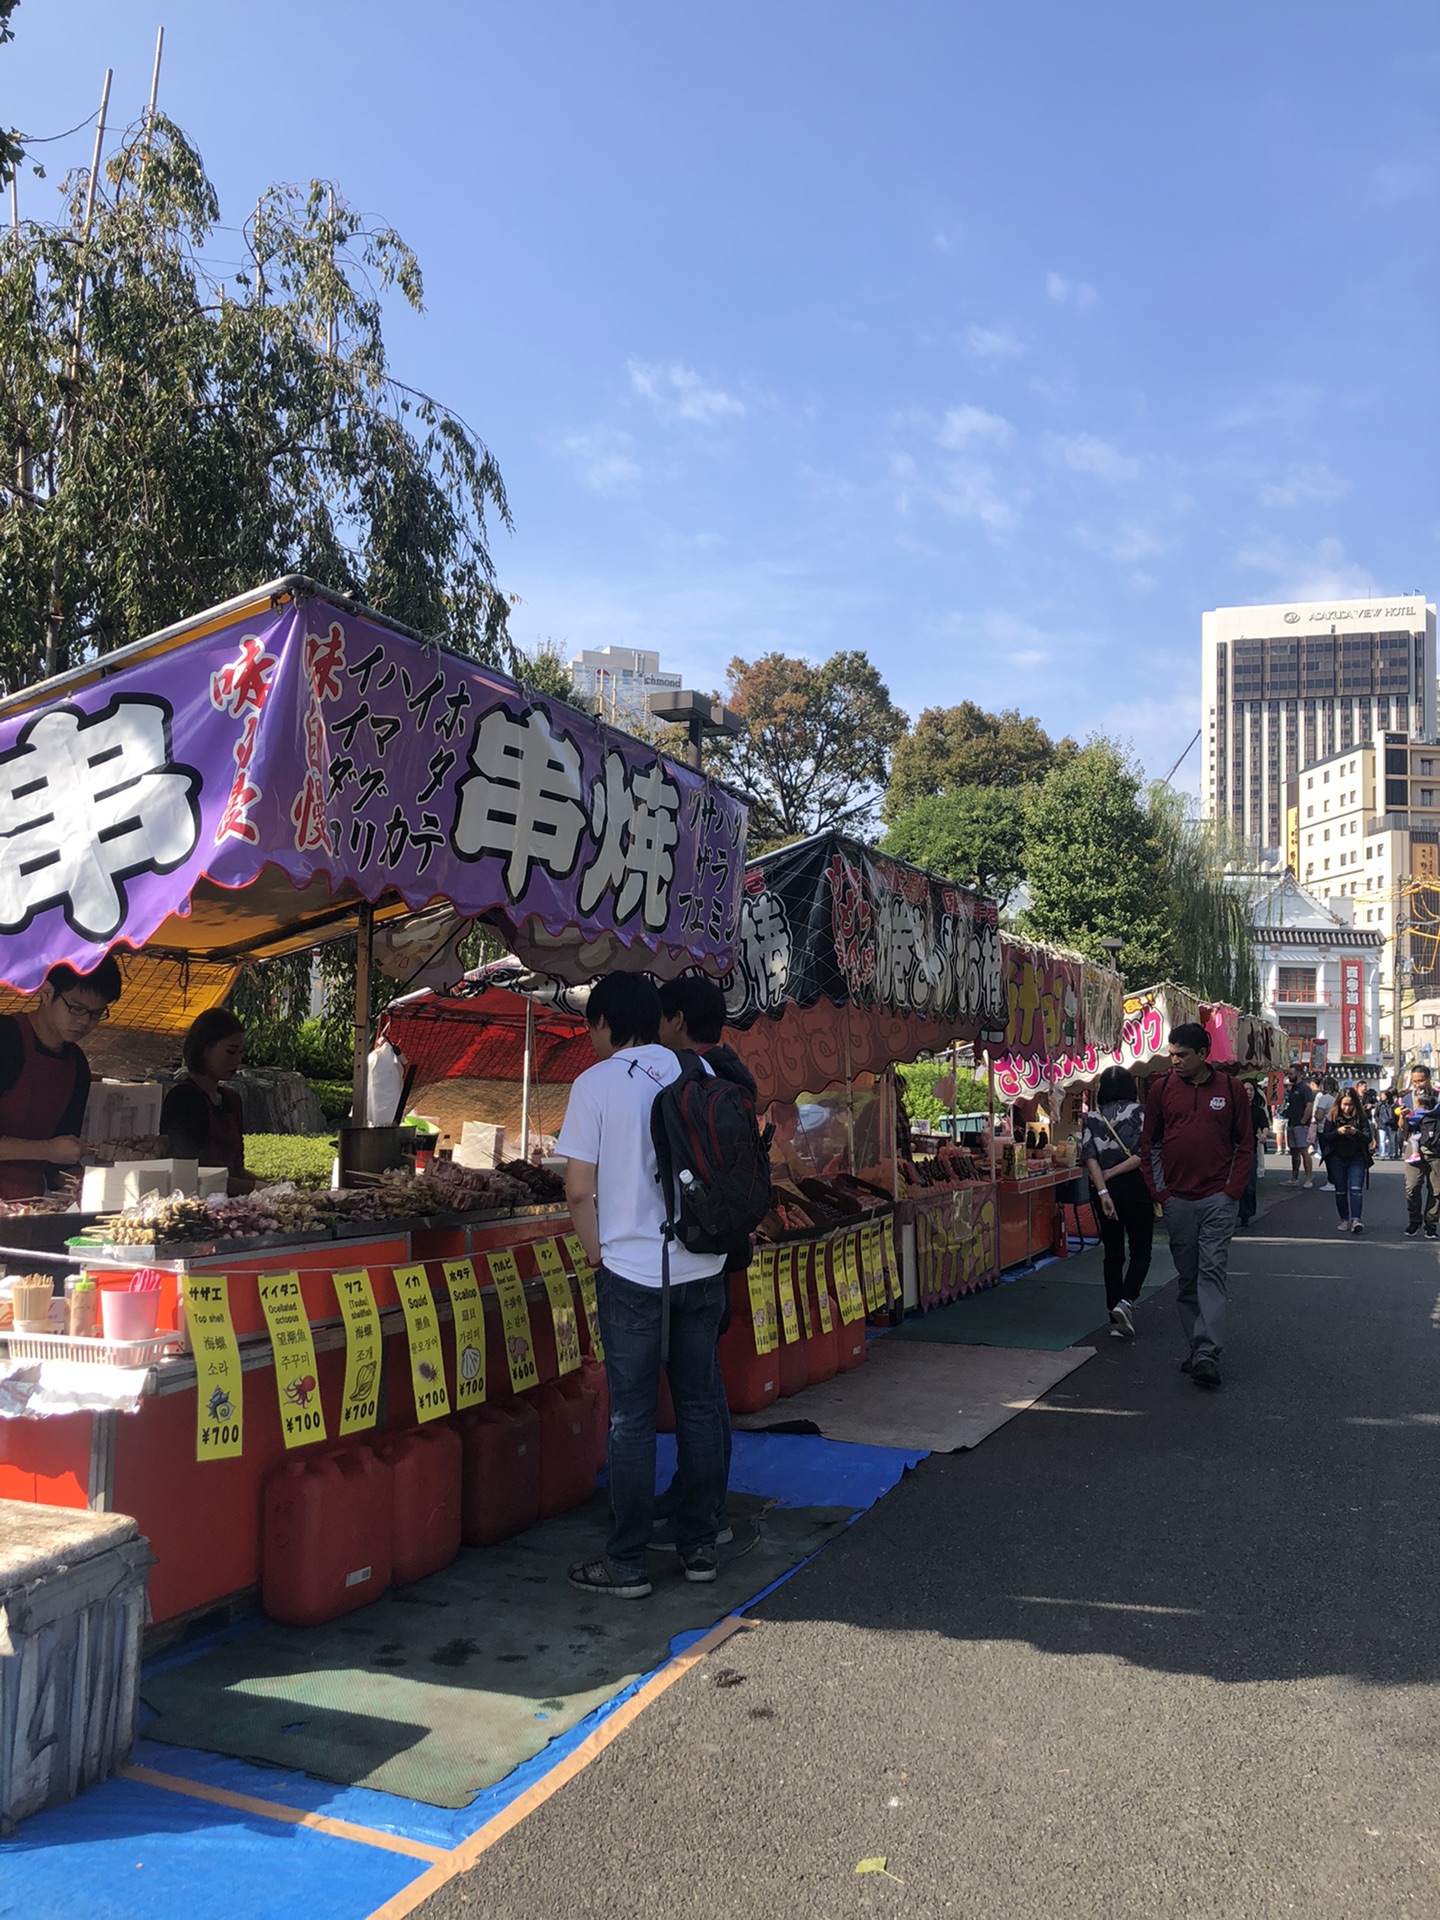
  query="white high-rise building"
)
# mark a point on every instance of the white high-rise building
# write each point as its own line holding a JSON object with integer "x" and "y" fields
{"x": 1285, "y": 687}
{"x": 620, "y": 680}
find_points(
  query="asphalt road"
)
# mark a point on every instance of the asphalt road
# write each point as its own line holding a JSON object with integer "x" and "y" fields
{"x": 1147, "y": 1651}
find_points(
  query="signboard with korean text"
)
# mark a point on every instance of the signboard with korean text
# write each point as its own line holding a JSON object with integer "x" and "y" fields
{"x": 1352, "y": 1009}
{"x": 585, "y": 1280}
{"x": 314, "y": 739}
{"x": 427, "y": 1356}
{"x": 219, "y": 1383}
{"x": 468, "y": 1315}
{"x": 760, "y": 1281}
{"x": 562, "y": 1305}
{"x": 514, "y": 1318}
{"x": 364, "y": 1350}
{"x": 297, "y": 1385}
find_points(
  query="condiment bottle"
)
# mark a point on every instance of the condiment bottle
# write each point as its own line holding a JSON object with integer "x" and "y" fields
{"x": 84, "y": 1306}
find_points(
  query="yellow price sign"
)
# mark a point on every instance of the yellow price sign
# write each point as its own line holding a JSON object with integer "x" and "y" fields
{"x": 889, "y": 1256}
{"x": 784, "y": 1267}
{"x": 585, "y": 1276}
{"x": 872, "y": 1280}
{"x": 360, "y": 1397}
{"x": 822, "y": 1287}
{"x": 219, "y": 1384}
{"x": 801, "y": 1288}
{"x": 515, "y": 1317}
{"x": 760, "y": 1280}
{"x": 852, "y": 1307}
{"x": 427, "y": 1356}
{"x": 297, "y": 1386}
{"x": 562, "y": 1304}
{"x": 468, "y": 1313}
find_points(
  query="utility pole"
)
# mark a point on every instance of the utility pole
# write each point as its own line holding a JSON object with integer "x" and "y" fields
{"x": 1397, "y": 973}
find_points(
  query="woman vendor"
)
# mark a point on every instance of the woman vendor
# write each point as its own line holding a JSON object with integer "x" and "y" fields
{"x": 201, "y": 1119}
{"x": 45, "y": 1078}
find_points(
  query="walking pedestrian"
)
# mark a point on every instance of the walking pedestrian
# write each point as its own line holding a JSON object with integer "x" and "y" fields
{"x": 1124, "y": 1210}
{"x": 612, "y": 1185}
{"x": 1418, "y": 1207}
{"x": 1196, "y": 1152}
{"x": 1326, "y": 1094}
{"x": 1385, "y": 1125}
{"x": 1260, "y": 1120}
{"x": 1346, "y": 1146}
{"x": 1298, "y": 1107}
{"x": 1422, "y": 1176}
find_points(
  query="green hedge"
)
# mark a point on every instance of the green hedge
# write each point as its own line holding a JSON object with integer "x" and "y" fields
{"x": 304, "y": 1158}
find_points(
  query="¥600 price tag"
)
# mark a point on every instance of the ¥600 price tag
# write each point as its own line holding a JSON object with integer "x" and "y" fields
{"x": 469, "y": 1317}
{"x": 515, "y": 1319}
{"x": 360, "y": 1397}
{"x": 760, "y": 1281}
{"x": 427, "y": 1356}
{"x": 562, "y": 1305}
{"x": 219, "y": 1383}
{"x": 585, "y": 1278}
{"x": 785, "y": 1286}
{"x": 297, "y": 1387}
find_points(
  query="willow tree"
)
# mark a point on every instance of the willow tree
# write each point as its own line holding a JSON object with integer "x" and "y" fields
{"x": 177, "y": 430}
{"x": 1208, "y": 901}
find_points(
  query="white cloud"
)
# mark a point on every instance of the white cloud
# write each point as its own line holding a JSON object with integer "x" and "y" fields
{"x": 1087, "y": 453}
{"x": 680, "y": 393}
{"x": 602, "y": 460}
{"x": 962, "y": 490}
{"x": 991, "y": 343}
{"x": 1129, "y": 543}
{"x": 1305, "y": 486}
{"x": 963, "y": 425}
{"x": 1077, "y": 293}
{"x": 1319, "y": 572}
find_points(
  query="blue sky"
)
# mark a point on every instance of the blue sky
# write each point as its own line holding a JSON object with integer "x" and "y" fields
{"x": 997, "y": 341}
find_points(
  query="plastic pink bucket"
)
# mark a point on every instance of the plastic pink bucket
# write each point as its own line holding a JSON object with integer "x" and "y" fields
{"x": 129, "y": 1316}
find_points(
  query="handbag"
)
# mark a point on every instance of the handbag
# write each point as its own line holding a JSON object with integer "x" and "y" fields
{"x": 1159, "y": 1210}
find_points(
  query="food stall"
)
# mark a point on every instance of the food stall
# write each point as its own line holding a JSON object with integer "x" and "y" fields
{"x": 849, "y": 961}
{"x": 282, "y": 770}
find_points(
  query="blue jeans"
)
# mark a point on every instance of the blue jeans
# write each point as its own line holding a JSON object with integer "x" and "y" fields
{"x": 1348, "y": 1179}
{"x": 630, "y": 1328}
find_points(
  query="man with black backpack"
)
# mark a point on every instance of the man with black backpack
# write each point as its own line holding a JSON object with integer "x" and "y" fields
{"x": 660, "y": 1301}
{"x": 692, "y": 1022}
{"x": 1196, "y": 1152}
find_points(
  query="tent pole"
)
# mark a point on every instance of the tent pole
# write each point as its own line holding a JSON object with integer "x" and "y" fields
{"x": 849, "y": 1091}
{"x": 525, "y": 1079}
{"x": 364, "y": 954}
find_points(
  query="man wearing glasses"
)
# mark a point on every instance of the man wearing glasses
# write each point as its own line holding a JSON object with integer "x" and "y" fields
{"x": 45, "y": 1077}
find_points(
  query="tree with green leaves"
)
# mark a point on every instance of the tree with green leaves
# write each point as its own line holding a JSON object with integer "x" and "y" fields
{"x": 12, "y": 141}
{"x": 816, "y": 748}
{"x": 1208, "y": 901}
{"x": 1094, "y": 865}
{"x": 965, "y": 746}
{"x": 973, "y": 834}
{"x": 174, "y": 434}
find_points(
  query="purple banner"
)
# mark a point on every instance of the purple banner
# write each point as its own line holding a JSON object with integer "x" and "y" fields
{"x": 327, "y": 745}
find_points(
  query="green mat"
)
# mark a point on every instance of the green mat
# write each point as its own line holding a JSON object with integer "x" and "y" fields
{"x": 1048, "y": 1310}
{"x": 440, "y": 1689}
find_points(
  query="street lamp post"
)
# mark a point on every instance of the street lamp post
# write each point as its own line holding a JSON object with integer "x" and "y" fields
{"x": 698, "y": 714}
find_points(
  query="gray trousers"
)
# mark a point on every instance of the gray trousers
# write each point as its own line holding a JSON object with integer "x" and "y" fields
{"x": 1200, "y": 1232}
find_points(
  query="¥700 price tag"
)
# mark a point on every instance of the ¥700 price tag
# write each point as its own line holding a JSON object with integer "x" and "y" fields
{"x": 220, "y": 1385}
{"x": 427, "y": 1357}
{"x": 297, "y": 1387}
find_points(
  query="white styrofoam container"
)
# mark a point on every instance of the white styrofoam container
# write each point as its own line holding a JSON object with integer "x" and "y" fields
{"x": 104, "y": 1189}
{"x": 72, "y": 1612}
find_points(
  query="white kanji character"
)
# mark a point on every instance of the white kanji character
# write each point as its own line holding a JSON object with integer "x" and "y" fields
{"x": 635, "y": 817}
{"x": 87, "y": 801}
{"x": 523, "y": 799}
{"x": 766, "y": 948}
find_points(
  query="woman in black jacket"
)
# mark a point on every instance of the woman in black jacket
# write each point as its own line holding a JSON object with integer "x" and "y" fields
{"x": 1110, "y": 1152}
{"x": 1346, "y": 1147}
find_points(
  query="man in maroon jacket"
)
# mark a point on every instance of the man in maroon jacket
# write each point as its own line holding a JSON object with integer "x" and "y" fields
{"x": 1196, "y": 1152}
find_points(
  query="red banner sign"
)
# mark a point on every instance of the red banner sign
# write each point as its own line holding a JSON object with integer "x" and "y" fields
{"x": 1352, "y": 1009}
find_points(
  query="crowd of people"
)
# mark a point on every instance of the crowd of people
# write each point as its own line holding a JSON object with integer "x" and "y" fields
{"x": 1345, "y": 1130}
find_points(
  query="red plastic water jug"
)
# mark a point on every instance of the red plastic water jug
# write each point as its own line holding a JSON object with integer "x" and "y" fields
{"x": 794, "y": 1365}
{"x": 593, "y": 1373}
{"x": 822, "y": 1350}
{"x": 567, "y": 1450}
{"x": 327, "y": 1532}
{"x": 426, "y": 1464}
{"x": 752, "y": 1379}
{"x": 849, "y": 1341}
{"x": 500, "y": 1471}
{"x": 580, "y": 1392}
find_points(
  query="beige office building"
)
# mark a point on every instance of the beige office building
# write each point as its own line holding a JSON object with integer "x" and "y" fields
{"x": 1288, "y": 687}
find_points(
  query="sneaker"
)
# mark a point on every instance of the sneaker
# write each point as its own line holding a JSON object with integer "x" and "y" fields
{"x": 1357, "y": 1226}
{"x": 1432, "y": 1233}
{"x": 1344, "y": 1226}
{"x": 699, "y": 1563}
{"x": 1204, "y": 1372}
{"x": 1187, "y": 1366}
{"x": 664, "y": 1537}
{"x": 1307, "y": 1186}
{"x": 1122, "y": 1321}
{"x": 598, "y": 1576}
{"x": 1412, "y": 1230}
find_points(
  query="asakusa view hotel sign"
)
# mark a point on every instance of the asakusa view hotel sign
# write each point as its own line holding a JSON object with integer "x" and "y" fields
{"x": 1362, "y": 615}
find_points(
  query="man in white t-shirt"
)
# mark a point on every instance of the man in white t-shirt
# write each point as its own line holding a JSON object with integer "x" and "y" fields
{"x": 612, "y": 1185}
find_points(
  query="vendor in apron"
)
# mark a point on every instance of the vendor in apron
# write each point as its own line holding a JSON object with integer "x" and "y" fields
{"x": 45, "y": 1078}
{"x": 202, "y": 1119}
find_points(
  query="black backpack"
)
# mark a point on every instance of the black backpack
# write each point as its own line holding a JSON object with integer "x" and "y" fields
{"x": 714, "y": 1161}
